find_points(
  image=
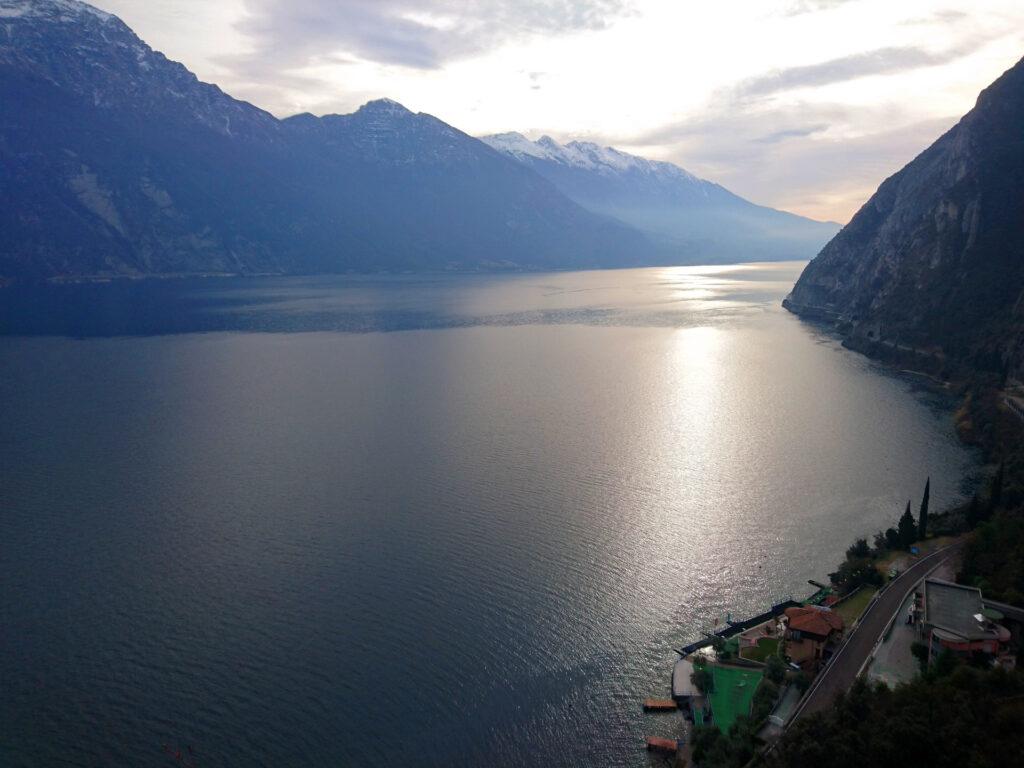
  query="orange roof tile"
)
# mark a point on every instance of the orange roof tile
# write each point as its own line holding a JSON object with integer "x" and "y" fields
{"x": 814, "y": 621}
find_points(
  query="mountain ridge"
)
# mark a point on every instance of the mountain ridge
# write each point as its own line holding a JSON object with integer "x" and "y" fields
{"x": 690, "y": 219}
{"x": 933, "y": 263}
{"x": 120, "y": 161}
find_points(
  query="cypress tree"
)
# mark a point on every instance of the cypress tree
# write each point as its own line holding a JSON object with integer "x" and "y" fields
{"x": 996, "y": 493}
{"x": 922, "y": 518}
{"x": 907, "y": 528}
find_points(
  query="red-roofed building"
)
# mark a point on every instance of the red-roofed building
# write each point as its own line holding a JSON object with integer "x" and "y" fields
{"x": 809, "y": 631}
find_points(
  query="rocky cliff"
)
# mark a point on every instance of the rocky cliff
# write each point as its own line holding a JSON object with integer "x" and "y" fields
{"x": 933, "y": 264}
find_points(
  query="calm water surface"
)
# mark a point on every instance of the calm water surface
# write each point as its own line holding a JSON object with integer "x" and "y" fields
{"x": 415, "y": 521}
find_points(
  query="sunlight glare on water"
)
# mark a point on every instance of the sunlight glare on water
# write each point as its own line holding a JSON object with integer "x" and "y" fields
{"x": 426, "y": 520}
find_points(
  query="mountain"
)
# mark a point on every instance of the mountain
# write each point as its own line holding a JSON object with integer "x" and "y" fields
{"x": 689, "y": 219}
{"x": 933, "y": 264}
{"x": 115, "y": 160}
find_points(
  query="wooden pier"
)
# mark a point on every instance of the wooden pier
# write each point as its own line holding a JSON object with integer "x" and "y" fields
{"x": 656, "y": 744}
{"x": 659, "y": 705}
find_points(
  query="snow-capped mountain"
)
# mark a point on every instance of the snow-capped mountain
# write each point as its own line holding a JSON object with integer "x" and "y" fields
{"x": 586, "y": 155}
{"x": 116, "y": 160}
{"x": 691, "y": 219}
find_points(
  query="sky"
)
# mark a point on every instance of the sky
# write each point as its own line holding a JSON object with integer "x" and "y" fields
{"x": 804, "y": 105}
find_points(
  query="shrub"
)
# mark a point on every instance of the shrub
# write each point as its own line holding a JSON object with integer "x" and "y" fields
{"x": 703, "y": 680}
{"x": 775, "y": 669}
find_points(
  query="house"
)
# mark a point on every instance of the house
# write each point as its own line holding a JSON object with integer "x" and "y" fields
{"x": 809, "y": 632}
{"x": 954, "y": 618}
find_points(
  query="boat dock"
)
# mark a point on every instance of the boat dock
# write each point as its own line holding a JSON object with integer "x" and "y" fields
{"x": 657, "y": 744}
{"x": 736, "y": 627}
{"x": 659, "y": 705}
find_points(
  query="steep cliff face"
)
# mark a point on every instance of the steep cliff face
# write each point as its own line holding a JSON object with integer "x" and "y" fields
{"x": 934, "y": 261}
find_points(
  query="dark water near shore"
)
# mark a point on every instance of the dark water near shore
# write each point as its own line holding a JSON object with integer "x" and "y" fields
{"x": 416, "y": 521}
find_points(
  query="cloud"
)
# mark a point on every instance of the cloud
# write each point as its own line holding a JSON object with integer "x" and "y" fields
{"x": 880, "y": 61}
{"x": 941, "y": 17}
{"x": 813, "y": 6}
{"x": 421, "y": 34}
{"x": 792, "y": 133}
{"x": 823, "y": 160}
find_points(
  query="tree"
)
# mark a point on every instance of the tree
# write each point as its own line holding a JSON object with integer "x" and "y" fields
{"x": 957, "y": 717}
{"x": 922, "y": 517}
{"x": 892, "y": 538}
{"x": 996, "y": 493}
{"x": 775, "y": 669}
{"x": 765, "y": 696}
{"x": 855, "y": 573}
{"x": 702, "y": 678}
{"x": 973, "y": 514}
{"x": 879, "y": 543}
{"x": 907, "y": 528}
{"x": 859, "y": 550}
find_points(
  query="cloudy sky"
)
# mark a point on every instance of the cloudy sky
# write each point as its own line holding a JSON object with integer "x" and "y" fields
{"x": 804, "y": 105}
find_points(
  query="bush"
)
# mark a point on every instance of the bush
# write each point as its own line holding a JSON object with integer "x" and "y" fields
{"x": 775, "y": 669}
{"x": 703, "y": 680}
{"x": 802, "y": 681}
{"x": 764, "y": 701}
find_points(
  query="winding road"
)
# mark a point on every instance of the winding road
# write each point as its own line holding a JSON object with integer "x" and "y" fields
{"x": 844, "y": 667}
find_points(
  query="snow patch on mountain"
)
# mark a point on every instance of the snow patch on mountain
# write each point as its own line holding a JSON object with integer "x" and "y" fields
{"x": 384, "y": 107}
{"x": 585, "y": 155}
{"x": 58, "y": 10}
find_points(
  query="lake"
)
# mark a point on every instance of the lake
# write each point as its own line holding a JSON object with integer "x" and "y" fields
{"x": 424, "y": 521}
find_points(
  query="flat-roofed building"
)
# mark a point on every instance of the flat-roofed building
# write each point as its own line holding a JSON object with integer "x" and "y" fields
{"x": 954, "y": 619}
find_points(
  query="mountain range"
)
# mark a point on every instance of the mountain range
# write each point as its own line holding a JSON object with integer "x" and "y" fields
{"x": 933, "y": 264}
{"x": 115, "y": 160}
{"x": 680, "y": 213}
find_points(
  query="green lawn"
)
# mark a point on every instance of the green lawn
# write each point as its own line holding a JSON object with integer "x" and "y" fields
{"x": 766, "y": 646}
{"x": 851, "y": 608}
{"x": 734, "y": 689}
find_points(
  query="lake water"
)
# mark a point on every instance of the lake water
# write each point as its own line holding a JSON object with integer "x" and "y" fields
{"x": 443, "y": 521}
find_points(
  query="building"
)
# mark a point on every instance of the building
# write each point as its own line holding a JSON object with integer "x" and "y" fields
{"x": 683, "y": 689}
{"x": 810, "y": 633}
{"x": 954, "y": 618}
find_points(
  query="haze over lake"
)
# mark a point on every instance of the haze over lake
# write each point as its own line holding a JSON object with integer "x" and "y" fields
{"x": 442, "y": 520}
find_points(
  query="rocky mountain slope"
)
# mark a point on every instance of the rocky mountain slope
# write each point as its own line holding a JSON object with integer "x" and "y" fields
{"x": 933, "y": 264}
{"x": 689, "y": 219}
{"x": 116, "y": 161}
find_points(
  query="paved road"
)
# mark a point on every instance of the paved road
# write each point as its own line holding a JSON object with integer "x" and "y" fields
{"x": 845, "y": 665}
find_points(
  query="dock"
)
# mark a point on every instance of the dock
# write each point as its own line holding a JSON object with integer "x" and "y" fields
{"x": 656, "y": 744}
{"x": 736, "y": 627}
{"x": 659, "y": 705}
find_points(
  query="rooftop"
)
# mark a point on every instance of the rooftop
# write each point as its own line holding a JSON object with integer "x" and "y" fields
{"x": 954, "y": 608}
{"x": 682, "y": 686}
{"x": 814, "y": 621}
